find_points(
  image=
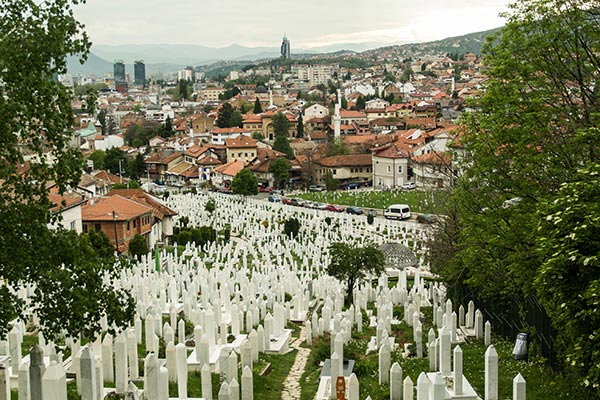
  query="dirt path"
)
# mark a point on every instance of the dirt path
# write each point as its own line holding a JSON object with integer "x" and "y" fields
{"x": 291, "y": 386}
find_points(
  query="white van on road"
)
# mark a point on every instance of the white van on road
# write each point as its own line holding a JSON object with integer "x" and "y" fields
{"x": 397, "y": 211}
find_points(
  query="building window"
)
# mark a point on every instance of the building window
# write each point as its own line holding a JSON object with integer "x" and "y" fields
{"x": 97, "y": 227}
{"x": 333, "y": 172}
{"x": 84, "y": 227}
{"x": 389, "y": 169}
{"x": 128, "y": 227}
{"x": 399, "y": 169}
{"x": 72, "y": 225}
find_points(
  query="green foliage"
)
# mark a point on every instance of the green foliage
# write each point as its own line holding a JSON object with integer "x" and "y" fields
{"x": 210, "y": 206}
{"x": 360, "y": 103}
{"x": 36, "y": 116}
{"x": 337, "y": 148}
{"x": 97, "y": 156}
{"x": 131, "y": 184}
{"x": 291, "y": 227}
{"x": 244, "y": 183}
{"x": 282, "y": 144}
{"x": 280, "y": 169}
{"x": 115, "y": 161}
{"x": 136, "y": 167}
{"x": 138, "y": 246}
{"x": 330, "y": 182}
{"x": 236, "y": 119}
{"x": 352, "y": 264}
{"x": 370, "y": 218}
{"x": 81, "y": 90}
{"x": 519, "y": 211}
{"x": 101, "y": 245}
{"x": 568, "y": 281}
{"x": 224, "y": 116}
{"x": 257, "y": 107}
{"x": 281, "y": 124}
{"x": 300, "y": 127}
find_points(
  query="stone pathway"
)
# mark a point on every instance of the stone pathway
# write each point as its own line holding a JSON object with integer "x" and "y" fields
{"x": 291, "y": 386}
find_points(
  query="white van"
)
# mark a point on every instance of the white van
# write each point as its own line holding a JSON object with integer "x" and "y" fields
{"x": 397, "y": 211}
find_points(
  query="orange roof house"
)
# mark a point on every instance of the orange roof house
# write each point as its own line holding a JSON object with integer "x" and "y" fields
{"x": 119, "y": 218}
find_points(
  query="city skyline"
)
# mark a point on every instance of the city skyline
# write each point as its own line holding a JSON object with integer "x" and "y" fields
{"x": 112, "y": 22}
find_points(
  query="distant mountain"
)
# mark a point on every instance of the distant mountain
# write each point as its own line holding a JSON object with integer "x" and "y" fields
{"x": 172, "y": 57}
{"x": 469, "y": 43}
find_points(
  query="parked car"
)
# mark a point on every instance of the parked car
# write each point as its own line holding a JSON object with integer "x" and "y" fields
{"x": 397, "y": 211}
{"x": 296, "y": 201}
{"x": 354, "y": 210}
{"x": 277, "y": 191}
{"x": 316, "y": 188}
{"x": 286, "y": 200}
{"x": 350, "y": 185}
{"x": 320, "y": 206}
{"x": 408, "y": 185}
{"x": 274, "y": 198}
{"x": 335, "y": 208}
{"x": 265, "y": 189}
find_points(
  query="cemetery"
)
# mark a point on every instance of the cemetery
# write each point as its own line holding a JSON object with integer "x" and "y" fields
{"x": 255, "y": 315}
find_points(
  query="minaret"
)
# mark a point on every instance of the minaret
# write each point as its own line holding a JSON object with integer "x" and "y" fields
{"x": 453, "y": 87}
{"x": 337, "y": 120}
{"x": 270, "y": 99}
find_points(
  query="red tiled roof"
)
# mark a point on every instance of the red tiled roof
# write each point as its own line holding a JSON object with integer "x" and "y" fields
{"x": 229, "y": 130}
{"x": 351, "y": 160}
{"x": 231, "y": 168}
{"x": 141, "y": 197}
{"x": 241, "y": 141}
{"x": 103, "y": 208}
{"x": 435, "y": 157}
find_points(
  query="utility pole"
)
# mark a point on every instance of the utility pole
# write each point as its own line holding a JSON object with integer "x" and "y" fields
{"x": 116, "y": 235}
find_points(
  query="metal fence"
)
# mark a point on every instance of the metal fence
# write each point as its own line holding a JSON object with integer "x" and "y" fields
{"x": 523, "y": 315}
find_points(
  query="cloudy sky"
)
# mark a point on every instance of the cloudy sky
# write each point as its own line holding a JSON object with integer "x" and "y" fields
{"x": 307, "y": 23}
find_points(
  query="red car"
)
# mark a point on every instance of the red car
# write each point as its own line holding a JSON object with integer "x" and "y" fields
{"x": 286, "y": 200}
{"x": 335, "y": 208}
{"x": 267, "y": 189}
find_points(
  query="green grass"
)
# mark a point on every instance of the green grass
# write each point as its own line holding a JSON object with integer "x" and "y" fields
{"x": 270, "y": 386}
{"x": 419, "y": 201}
{"x": 542, "y": 383}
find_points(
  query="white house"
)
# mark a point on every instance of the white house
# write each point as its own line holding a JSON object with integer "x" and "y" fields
{"x": 315, "y": 111}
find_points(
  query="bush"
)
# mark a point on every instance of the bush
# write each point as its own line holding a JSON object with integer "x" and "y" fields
{"x": 291, "y": 227}
{"x": 370, "y": 219}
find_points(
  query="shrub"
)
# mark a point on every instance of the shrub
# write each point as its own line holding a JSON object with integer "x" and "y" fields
{"x": 291, "y": 227}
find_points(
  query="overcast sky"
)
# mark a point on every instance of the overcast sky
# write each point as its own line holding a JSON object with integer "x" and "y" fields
{"x": 307, "y": 23}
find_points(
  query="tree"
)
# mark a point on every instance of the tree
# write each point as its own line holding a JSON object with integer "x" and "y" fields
{"x": 352, "y": 264}
{"x": 236, "y": 119}
{"x": 282, "y": 144}
{"x": 291, "y": 227}
{"x": 244, "y": 183}
{"x": 281, "y": 125}
{"x": 138, "y": 246}
{"x": 330, "y": 182}
{"x": 344, "y": 103}
{"x": 210, "y": 206}
{"x": 136, "y": 167}
{"x": 360, "y": 103}
{"x": 168, "y": 127}
{"x": 527, "y": 152}
{"x": 101, "y": 245}
{"x": 280, "y": 169}
{"x": 69, "y": 291}
{"x": 90, "y": 102}
{"x": 115, "y": 161}
{"x": 102, "y": 120}
{"x": 97, "y": 156}
{"x": 224, "y": 115}
{"x": 300, "y": 127}
{"x": 257, "y": 107}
